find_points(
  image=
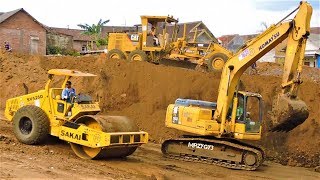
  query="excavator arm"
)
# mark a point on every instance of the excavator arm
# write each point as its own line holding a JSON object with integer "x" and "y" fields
{"x": 289, "y": 111}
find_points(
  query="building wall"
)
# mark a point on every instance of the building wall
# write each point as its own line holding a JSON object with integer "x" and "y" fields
{"x": 23, "y": 34}
{"x": 268, "y": 57}
{"x": 78, "y": 45}
{"x": 309, "y": 60}
{"x": 60, "y": 40}
{"x": 81, "y": 46}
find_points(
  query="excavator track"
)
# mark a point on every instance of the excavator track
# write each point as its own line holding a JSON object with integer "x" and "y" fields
{"x": 224, "y": 152}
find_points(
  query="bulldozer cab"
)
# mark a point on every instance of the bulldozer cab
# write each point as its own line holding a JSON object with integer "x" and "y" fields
{"x": 155, "y": 35}
{"x": 78, "y": 104}
{"x": 247, "y": 113}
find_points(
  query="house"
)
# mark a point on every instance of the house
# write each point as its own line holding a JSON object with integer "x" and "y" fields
{"x": 312, "y": 51}
{"x": 234, "y": 42}
{"x": 80, "y": 41}
{"x": 117, "y": 29}
{"x": 196, "y": 28}
{"x": 56, "y": 39}
{"x": 225, "y": 39}
{"x": 23, "y": 32}
{"x": 196, "y": 31}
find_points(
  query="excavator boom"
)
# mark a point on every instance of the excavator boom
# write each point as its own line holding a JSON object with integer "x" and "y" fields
{"x": 289, "y": 111}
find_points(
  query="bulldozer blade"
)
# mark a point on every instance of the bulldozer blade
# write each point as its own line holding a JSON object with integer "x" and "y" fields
{"x": 288, "y": 113}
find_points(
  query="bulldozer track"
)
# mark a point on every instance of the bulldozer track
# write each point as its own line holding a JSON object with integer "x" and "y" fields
{"x": 214, "y": 161}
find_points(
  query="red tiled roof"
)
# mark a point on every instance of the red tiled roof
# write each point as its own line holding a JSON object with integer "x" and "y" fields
{"x": 225, "y": 39}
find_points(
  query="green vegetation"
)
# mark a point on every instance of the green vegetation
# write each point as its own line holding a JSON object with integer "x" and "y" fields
{"x": 63, "y": 51}
{"x": 94, "y": 31}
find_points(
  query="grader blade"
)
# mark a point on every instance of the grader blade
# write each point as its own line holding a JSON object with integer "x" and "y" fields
{"x": 288, "y": 113}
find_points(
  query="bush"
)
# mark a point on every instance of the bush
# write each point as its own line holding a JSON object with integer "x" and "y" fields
{"x": 53, "y": 49}
{"x": 102, "y": 42}
{"x": 63, "y": 51}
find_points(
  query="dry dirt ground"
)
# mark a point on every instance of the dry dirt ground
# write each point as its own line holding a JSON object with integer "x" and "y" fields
{"x": 55, "y": 159}
{"x": 142, "y": 92}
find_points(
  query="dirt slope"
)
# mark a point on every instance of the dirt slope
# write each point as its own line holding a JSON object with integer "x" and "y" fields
{"x": 142, "y": 92}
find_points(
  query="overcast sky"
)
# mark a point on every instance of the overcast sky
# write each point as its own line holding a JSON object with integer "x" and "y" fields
{"x": 221, "y": 16}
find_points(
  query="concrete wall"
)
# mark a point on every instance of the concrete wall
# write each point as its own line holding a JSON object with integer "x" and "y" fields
{"x": 77, "y": 45}
{"x": 60, "y": 40}
{"x": 23, "y": 34}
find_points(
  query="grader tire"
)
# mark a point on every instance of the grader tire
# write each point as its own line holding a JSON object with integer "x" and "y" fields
{"x": 138, "y": 55}
{"x": 31, "y": 125}
{"x": 216, "y": 62}
{"x": 116, "y": 54}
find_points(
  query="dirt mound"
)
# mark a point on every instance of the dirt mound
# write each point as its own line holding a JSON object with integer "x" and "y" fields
{"x": 274, "y": 69}
{"x": 142, "y": 92}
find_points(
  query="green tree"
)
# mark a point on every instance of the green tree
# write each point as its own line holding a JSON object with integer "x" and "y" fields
{"x": 94, "y": 31}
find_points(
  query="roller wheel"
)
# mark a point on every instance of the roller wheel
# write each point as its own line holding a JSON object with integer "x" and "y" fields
{"x": 250, "y": 159}
{"x": 116, "y": 54}
{"x": 216, "y": 62}
{"x": 105, "y": 124}
{"x": 31, "y": 125}
{"x": 138, "y": 55}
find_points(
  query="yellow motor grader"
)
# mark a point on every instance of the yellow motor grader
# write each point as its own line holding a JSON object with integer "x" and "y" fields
{"x": 38, "y": 114}
{"x": 142, "y": 45}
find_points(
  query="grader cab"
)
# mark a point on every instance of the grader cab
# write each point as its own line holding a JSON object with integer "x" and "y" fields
{"x": 38, "y": 114}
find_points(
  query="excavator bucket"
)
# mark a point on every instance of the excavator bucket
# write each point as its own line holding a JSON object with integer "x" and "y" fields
{"x": 288, "y": 113}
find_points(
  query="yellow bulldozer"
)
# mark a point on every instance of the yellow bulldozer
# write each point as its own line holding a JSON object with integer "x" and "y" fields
{"x": 215, "y": 128}
{"x": 42, "y": 113}
{"x": 154, "y": 41}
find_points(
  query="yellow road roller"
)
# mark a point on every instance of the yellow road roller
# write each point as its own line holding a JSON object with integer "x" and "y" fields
{"x": 45, "y": 112}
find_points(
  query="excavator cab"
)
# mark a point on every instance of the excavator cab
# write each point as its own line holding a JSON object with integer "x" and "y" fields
{"x": 247, "y": 115}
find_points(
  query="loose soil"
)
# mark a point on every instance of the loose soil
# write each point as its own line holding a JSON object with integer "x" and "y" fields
{"x": 142, "y": 91}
